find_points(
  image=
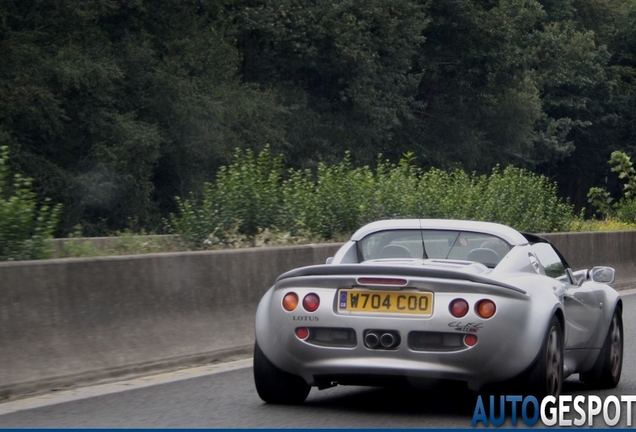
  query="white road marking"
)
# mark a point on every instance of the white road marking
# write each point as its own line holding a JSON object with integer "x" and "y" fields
{"x": 58, "y": 397}
{"x": 624, "y": 293}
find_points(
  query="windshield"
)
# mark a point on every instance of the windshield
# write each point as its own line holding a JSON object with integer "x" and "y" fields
{"x": 439, "y": 244}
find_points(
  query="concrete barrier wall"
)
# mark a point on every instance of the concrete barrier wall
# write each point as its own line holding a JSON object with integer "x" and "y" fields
{"x": 64, "y": 321}
{"x": 72, "y": 320}
{"x": 614, "y": 248}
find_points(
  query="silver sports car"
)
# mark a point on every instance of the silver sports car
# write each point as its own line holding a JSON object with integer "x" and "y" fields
{"x": 420, "y": 299}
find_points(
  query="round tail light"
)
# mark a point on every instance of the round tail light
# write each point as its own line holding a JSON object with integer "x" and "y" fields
{"x": 470, "y": 340}
{"x": 290, "y": 301}
{"x": 486, "y": 308}
{"x": 458, "y": 308}
{"x": 311, "y": 302}
{"x": 302, "y": 333}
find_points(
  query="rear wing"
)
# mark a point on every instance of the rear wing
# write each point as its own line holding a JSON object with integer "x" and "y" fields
{"x": 388, "y": 270}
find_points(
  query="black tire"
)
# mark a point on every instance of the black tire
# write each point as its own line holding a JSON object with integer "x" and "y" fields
{"x": 607, "y": 371}
{"x": 545, "y": 376}
{"x": 275, "y": 386}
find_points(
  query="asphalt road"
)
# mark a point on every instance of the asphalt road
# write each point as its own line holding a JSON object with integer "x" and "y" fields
{"x": 224, "y": 397}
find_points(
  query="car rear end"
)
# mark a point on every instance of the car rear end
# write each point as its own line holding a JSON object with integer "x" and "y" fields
{"x": 371, "y": 325}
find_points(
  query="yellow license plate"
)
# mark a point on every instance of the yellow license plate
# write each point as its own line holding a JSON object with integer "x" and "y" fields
{"x": 397, "y": 302}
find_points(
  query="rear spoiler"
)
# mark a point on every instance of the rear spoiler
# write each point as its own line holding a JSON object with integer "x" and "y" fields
{"x": 357, "y": 269}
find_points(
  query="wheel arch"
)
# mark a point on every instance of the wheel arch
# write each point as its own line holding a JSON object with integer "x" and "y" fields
{"x": 619, "y": 305}
{"x": 614, "y": 302}
{"x": 561, "y": 317}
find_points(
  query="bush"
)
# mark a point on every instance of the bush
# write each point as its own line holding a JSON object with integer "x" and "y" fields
{"x": 522, "y": 200}
{"x": 255, "y": 195}
{"x": 624, "y": 210}
{"x": 244, "y": 199}
{"x": 25, "y": 225}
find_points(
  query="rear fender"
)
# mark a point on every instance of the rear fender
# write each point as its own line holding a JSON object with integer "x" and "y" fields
{"x": 611, "y": 300}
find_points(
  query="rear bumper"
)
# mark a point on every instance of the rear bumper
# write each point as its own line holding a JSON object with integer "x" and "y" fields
{"x": 476, "y": 366}
{"x": 506, "y": 344}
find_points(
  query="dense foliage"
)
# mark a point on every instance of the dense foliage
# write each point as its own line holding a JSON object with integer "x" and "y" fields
{"x": 116, "y": 107}
{"x": 624, "y": 210}
{"x": 25, "y": 225}
{"x": 255, "y": 193}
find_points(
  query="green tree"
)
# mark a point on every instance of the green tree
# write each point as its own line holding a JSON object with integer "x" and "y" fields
{"x": 115, "y": 107}
{"x": 625, "y": 208}
{"x": 596, "y": 92}
{"x": 60, "y": 93}
{"x": 623, "y": 72}
{"x": 480, "y": 101}
{"x": 346, "y": 70}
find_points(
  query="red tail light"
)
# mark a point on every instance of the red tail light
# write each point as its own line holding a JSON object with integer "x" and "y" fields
{"x": 486, "y": 308}
{"x": 302, "y": 333}
{"x": 458, "y": 308}
{"x": 290, "y": 301}
{"x": 470, "y": 340}
{"x": 311, "y": 302}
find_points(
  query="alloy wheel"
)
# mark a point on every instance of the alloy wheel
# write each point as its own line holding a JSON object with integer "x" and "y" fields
{"x": 616, "y": 346}
{"x": 554, "y": 364}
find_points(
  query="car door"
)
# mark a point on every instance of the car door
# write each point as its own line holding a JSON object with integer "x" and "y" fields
{"x": 581, "y": 306}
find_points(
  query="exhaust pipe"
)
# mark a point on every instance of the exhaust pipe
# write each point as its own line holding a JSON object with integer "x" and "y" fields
{"x": 387, "y": 340}
{"x": 381, "y": 339}
{"x": 371, "y": 340}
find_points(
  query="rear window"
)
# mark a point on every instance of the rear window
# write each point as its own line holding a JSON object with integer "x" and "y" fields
{"x": 439, "y": 244}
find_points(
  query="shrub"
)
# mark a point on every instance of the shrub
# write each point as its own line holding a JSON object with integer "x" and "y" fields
{"x": 244, "y": 199}
{"x": 624, "y": 210}
{"x": 25, "y": 225}
{"x": 522, "y": 200}
{"x": 337, "y": 201}
{"x": 255, "y": 195}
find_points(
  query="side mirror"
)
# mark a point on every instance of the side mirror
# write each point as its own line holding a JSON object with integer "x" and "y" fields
{"x": 329, "y": 260}
{"x": 603, "y": 274}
